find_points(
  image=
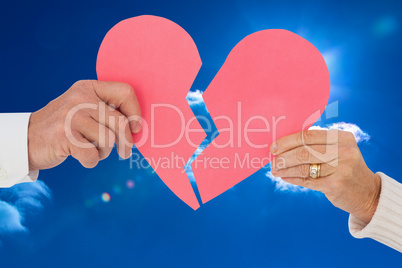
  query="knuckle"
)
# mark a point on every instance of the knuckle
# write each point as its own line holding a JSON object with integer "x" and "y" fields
{"x": 299, "y": 138}
{"x": 333, "y": 136}
{"x": 80, "y": 92}
{"x": 308, "y": 136}
{"x": 83, "y": 84}
{"x": 304, "y": 170}
{"x": 333, "y": 131}
{"x": 127, "y": 90}
{"x": 79, "y": 84}
{"x": 349, "y": 137}
{"x": 302, "y": 154}
{"x": 77, "y": 96}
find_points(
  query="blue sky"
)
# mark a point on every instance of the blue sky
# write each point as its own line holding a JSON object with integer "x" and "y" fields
{"x": 62, "y": 221}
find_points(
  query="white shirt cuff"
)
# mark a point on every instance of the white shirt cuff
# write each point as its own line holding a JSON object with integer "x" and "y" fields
{"x": 14, "y": 165}
{"x": 386, "y": 224}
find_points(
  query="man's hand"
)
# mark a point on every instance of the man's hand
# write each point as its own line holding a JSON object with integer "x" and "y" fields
{"x": 345, "y": 178}
{"x": 84, "y": 122}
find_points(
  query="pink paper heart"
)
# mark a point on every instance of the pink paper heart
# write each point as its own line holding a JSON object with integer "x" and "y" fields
{"x": 273, "y": 80}
{"x": 268, "y": 75}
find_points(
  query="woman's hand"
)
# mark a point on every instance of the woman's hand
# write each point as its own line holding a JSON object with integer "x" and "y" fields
{"x": 345, "y": 178}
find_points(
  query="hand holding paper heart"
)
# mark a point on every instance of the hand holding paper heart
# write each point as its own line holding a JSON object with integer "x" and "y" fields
{"x": 272, "y": 84}
{"x": 84, "y": 123}
{"x": 344, "y": 178}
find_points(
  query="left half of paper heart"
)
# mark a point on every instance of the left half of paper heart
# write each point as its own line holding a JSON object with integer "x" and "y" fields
{"x": 160, "y": 60}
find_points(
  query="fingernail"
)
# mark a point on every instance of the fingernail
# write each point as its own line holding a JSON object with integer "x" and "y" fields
{"x": 274, "y": 147}
{"x": 136, "y": 127}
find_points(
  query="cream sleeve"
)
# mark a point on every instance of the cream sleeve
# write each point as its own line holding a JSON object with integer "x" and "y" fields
{"x": 386, "y": 224}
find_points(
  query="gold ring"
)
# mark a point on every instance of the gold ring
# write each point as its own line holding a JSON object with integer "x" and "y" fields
{"x": 315, "y": 170}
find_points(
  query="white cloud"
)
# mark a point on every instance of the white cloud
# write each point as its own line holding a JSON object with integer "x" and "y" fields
{"x": 195, "y": 98}
{"x": 359, "y": 134}
{"x": 281, "y": 185}
{"x": 10, "y": 218}
{"x": 19, "y": 201}
{"x": 197, "y": 152}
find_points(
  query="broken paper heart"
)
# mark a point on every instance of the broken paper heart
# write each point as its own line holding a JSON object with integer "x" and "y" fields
{"x": 273, "y": 83}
